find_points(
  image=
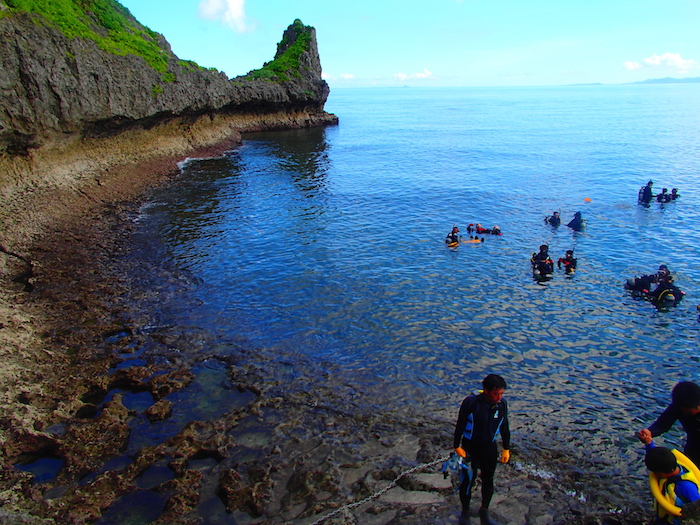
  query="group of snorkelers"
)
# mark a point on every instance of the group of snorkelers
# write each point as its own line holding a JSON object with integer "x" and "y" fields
{"x": 543, "y": 265}
{"x": 454, "y": 238}
{"x": 659, "y": 287}
{"x": 664, "y": 290}
{"x": 577, "y": 223}
{"x": 646, "y": 194}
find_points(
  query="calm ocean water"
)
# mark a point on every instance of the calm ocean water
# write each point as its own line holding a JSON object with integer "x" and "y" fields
{"x": 326, "y": 245}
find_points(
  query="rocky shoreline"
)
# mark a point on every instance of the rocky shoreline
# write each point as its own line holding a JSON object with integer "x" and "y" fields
{"x": 75, "y": 345}
{"x": 133, "y": 420}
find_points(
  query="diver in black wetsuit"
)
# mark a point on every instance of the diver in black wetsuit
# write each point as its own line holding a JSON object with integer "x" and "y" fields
{"x": 666, "y": 292}
{"x": 453, "y": 236}
{"x": 568, "y": 261}
{"x": 645, "y": 194}
{"x": 554, "y": 219}
{"x": 641, "y": 284}
{"x": 577, "y": 222}
{"x": 542, "y": 264}
{"x": 644, "y": 283}
{"x": 480, "y": 229}
{"x": 664, "y": 196}
{"x": 481, "y": 418}
{"x": 675, "y": 194}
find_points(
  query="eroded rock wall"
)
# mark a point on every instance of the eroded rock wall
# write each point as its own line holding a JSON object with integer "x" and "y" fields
{"x": 79, "y": 125}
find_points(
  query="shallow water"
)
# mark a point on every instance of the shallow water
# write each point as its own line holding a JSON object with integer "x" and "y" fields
{"x": 326, "y": 245}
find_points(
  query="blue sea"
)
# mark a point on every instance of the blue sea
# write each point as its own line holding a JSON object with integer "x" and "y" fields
{"x": 326, "y": 247}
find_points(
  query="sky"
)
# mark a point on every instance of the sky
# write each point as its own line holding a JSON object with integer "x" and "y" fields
{"x": 442, "y": 43}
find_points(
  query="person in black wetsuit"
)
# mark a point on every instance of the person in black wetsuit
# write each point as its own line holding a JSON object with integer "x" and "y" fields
{"x": 645, "y": 193}
{"x": 481, "y": 230}
{"x": 666, "y": 293}
{"x": 542, "y": 264}
{"x": 684, "y": 407}
{"x": 453, "y": 236}
{"x": 577, "y": 222}
{"x": 481, "y": 418}
{"x": 644, "y": 283}
{"x": 554, "y": 219}
{"x": 568, "y": 261}
{"x": 675, "y": 194}
{"x": 664, "y": 196}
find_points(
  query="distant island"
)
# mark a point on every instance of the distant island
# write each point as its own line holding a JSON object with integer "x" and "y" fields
{"x": 669, "y": 80}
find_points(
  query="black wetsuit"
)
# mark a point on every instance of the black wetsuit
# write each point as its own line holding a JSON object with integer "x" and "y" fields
{"x": 576, "y": 223}
{"x": 542, "y": 263}
{"x": 691, "y": 425}
{"x": 452, "y": 238}
{"x": 642, "y": 284}
{"x": 480, "y": 229}
{"x": 553, "y": 220}
{"x": 663, "y": 197}
{"x": 645, "y": 194}
{"x": 569, "y": 264}
{"x": 476, "y": 430}
{"x": 658, "y": 293}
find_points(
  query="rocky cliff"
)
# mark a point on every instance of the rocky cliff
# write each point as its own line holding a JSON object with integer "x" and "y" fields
{"x": 86, "y": 114}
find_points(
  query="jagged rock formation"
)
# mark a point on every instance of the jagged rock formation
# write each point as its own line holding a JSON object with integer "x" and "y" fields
{"x": 76, "y": 120}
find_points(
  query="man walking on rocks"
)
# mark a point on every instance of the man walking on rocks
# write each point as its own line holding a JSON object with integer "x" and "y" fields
{"x": 481, "y": 418}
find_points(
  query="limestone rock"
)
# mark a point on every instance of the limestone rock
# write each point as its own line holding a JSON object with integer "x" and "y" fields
{"x": 82, "y": 123}
{"x": 52, "y": 85}
{"x": 161, "y": 410}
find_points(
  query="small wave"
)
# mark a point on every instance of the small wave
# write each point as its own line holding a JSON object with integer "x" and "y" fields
{"x": 531, "y": 470}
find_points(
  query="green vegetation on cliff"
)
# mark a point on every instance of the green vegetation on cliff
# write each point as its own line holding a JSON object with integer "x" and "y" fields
{"x": 106, "y": 22}
{"x": 286, "y": 62}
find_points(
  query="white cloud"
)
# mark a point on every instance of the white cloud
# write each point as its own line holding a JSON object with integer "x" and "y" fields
{"x": 230, "y": 12}
{"x": 416, "y": 76}
{"x": 673, "y": 60}
{"x": 347, "y": 76}
{"x": 668, "y": 60}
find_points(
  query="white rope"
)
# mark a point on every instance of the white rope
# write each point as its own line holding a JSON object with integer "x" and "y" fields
{"x": 379, "y": 493}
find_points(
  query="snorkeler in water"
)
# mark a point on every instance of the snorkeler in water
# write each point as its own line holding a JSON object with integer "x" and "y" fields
{"x": 453, "y": 237}
{"x": 577, "y": 223}
{"x": 554, "y": 219}
{"x": 478, "y": 228}
{"x": 568, "y": 261}
{"x": 542, "y": 263}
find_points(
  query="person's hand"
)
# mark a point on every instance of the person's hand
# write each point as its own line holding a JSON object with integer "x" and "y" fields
{"x": 644, "y": 436}
{"x": 505, "y": 456}
{"x": 460, "y": 452}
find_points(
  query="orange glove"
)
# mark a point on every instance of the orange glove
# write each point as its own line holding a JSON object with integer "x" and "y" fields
{"x": 505, "y": 456}
{"x": 460, "y": 452}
